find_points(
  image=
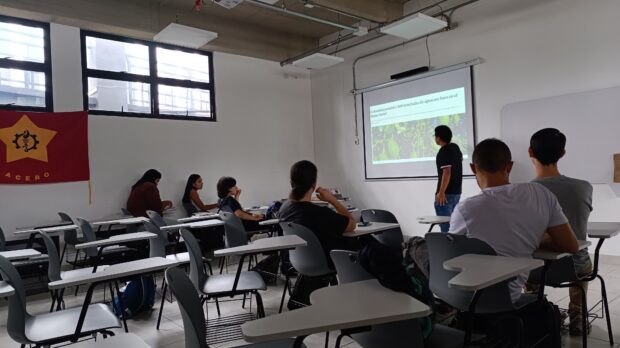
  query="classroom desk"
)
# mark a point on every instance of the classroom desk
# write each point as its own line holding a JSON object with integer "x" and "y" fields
{"x": 373, "y": 227}
{"x": 199, "y": 217}
{"x": 121, "y": 238}
{"x": 112, "y": 273}
{"x": 433, "y": 221}
{"x": 339, "y": 307}
{"x": 549, "y": 255}
{"x": 481, "y": 271}
{"x": 260, "y": 246}
{"x": 122, "y": 221}
{"x": 49, "y": 230}
{"x": 5, "y": 289}
{"x": 195, "y": 224}
{"x": 20, "y": 254}
{"x": 125, "y": 340}
{"x": 45, "y": 224}
{"x": 604, "y": 230}
{"x": 269, "y": 222}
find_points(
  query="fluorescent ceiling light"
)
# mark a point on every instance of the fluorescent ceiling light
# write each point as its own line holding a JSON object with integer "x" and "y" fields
{"x": 317, "y": 61}
{"x": 415, "y": 26}
{"x": 182, "y": 35}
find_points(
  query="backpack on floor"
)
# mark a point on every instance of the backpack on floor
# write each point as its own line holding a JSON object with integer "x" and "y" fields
{"x": 138, "y": 296}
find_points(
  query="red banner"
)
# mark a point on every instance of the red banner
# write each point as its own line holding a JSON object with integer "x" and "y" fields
{"x": 37, "y": 148}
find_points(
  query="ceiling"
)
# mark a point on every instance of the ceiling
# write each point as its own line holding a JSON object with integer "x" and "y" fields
{"x": 246, "y": 29}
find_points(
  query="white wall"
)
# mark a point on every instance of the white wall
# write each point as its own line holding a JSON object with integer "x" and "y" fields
{"x": 531, "y": 49}
{"x": 264, "y": 125}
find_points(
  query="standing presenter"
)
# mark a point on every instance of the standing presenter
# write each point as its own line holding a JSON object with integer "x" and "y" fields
{"x": 449, "y": 174}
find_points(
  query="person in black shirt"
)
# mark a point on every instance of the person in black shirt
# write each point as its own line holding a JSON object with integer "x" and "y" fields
{"x": 328, "y": 225}
{"x": 229, "y": 193}
{"x": 449, "y": 172}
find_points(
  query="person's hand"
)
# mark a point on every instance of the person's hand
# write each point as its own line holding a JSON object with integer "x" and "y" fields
{"x": 238, "y": 194}
{"x": 167, "y": 204}
{"x": 441, "y": 199}
{"x": 325, "y": 195}
{"x": 258, "y": 217}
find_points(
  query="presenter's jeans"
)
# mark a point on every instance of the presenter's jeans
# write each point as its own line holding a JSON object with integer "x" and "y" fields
{"x": 447, "y": 209}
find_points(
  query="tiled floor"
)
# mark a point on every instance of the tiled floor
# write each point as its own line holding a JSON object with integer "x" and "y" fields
{"x": 171, "y": 332}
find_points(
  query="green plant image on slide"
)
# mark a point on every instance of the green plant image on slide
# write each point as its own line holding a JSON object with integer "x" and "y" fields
{"x": 414, "y": 140}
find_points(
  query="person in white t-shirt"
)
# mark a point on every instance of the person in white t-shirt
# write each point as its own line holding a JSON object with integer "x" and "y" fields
{"x": 514, "y": 219}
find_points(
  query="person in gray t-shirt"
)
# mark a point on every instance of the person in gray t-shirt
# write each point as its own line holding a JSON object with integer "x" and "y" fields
{"x": 547, "y": 146}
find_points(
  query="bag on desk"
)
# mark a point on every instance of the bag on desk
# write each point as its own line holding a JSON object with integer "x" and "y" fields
{"x": 138, "y": 296}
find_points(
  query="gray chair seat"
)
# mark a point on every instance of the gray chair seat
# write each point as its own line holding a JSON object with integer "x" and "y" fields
{"x": 80, "y": 272}
{"x": 223, "y": 283}
{"x": 273, "y": 344}
{"x": 51, "y": 326}
{"x": 179, "y": 257}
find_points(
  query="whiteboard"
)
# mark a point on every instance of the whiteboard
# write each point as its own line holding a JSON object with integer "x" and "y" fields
{"x": 590, "y": 120}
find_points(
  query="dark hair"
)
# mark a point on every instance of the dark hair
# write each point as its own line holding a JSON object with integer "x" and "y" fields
{"x": 444, "y": 133}
{"x": 548, "y": 145}
{"x": 189, "y": 187}
{"x": 224, "y": 185}
{"x": 149, "y": 176}
{"x": 491, "y": 155}
{"x": 303, "y": 177}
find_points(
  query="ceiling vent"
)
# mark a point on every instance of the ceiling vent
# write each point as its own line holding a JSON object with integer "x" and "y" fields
{"x": 415, "y": 26}
{"x": 318, "y": 61}
{"x": 182, "y": 35}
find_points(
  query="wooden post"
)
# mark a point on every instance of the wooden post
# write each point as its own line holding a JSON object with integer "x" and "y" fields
{"x": 617, "y": 168}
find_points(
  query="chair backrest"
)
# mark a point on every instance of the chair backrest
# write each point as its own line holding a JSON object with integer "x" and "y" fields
{"x": 69, "y": 236}
{"x": 348, "y": 271}
{"x": 17, "y": 316}
{"x": 190, "y": 208}
{"x": 392, "y": 238}
{"x": 197, "y": 273}
{"x": 443, "y": 247}
{"x": 2, "y": 240}
{"x": 234, "y": 231}
{"x": 53, "y": 268}
{"x": 89, "y": 235}
{"x": 156, "y": 218}
{"x": 194, "y": 324}
{"x": 308, "y": 260}
{"x": 157, "y": 245}
{"x": 124, "y": 211}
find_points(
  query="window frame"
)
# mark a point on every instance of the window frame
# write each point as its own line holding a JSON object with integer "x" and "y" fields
{"x": 45, "y": 67}
{"x": 152, "y": 79}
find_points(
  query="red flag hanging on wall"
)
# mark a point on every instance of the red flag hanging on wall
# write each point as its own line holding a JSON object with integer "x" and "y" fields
{"x": 37, "y": 147}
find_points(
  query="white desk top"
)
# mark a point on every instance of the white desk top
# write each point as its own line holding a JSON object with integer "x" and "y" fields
{"x": 196, "y": 224}
{"x": 48, "y": 230}
{"x": 121, "y": 238}
{"x": 119, "y": 270}
{"x": 5, "y": 289}
{"x": 262, "y": 245}
{"x": 335, "y": 308}
{"x": 543, "y": 254}
{"x": 269, "y": 222}
{"x": 603, "y": 229}
{"x": 123, "y": 221}
{"x": 481, "y": 271}
{"x": 374, "y": 227}
{"x": 433, "y": 219}
{"x": 19, "y": 254}
{"x": 199, "y": 217}
{"x": 45, "y": 224}
{"x": 118, "y": 341}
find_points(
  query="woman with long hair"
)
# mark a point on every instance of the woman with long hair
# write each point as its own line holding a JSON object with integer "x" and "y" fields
{"x": 145, "y": 195}
{"x": 191, "y": 200}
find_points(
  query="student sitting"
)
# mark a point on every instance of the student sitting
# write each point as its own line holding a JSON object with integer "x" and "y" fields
{"x": 228, "y": 192}
{"x": 547, "y": 146}
{"x": 328, "y": 225}
{"x": 514, "y": 219}
{"x": 191, "y": 200}
{"x": 145, "y": 195}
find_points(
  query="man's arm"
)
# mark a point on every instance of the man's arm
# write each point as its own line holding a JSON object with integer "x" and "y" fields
{"x": 445, "y": 180}
{"x": 326, "y": 196}
{"x": 560, "y": 238}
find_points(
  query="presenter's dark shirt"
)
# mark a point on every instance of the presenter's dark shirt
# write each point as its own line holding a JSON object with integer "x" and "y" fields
{"x": 450, "y": 156}
{"x": 325, "y": 223}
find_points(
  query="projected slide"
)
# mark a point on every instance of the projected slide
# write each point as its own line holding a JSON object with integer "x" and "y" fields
{"x": 400, "y": 130}
{"x": 399, "y": 124}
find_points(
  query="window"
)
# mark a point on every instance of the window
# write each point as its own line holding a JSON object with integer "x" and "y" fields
{"x": 25, "y": 65}
{"x": 126, "y": 77}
